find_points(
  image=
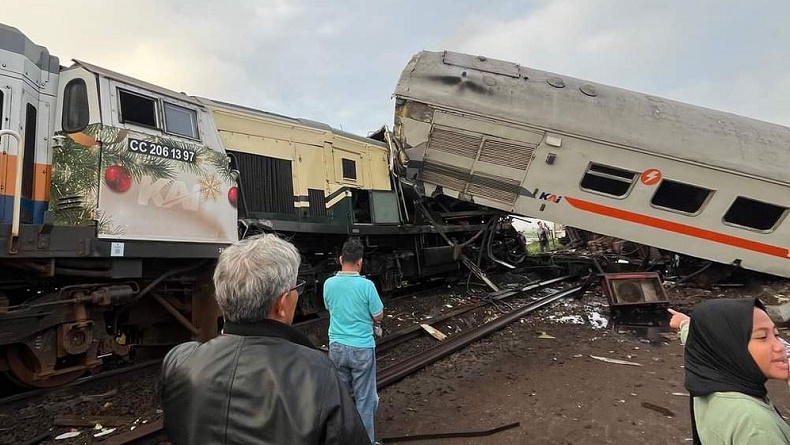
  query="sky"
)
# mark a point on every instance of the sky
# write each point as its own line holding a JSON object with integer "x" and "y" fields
{"x": 338, "y": 62}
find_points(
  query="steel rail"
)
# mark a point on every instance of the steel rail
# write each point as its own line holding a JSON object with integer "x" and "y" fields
{"x": 387, "y": 376}
{"x": 81, "y": 381}
{"x": 414, "y": 331}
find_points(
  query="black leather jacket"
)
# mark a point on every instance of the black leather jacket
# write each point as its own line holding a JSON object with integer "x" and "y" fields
{"x": 261, "y": 383}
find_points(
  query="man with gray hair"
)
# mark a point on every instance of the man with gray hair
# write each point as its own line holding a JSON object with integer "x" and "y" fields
{"x": 261, "y": 381}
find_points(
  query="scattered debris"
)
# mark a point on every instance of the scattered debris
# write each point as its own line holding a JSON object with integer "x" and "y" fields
{"x": 545, "y": 335}
{"x": 658, "y": 409}
{"x": 435, "y": 333}
{"x": 68, "y": 435}
{"x": 615, "y": 361}
{"x": 104, "y": 432}
{"x": 449, "y": 435}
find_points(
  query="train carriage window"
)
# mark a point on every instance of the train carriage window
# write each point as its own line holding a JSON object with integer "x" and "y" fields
{"x": 746, "y": 212}
{"x": 349, "y": 169}
{"x": 1, "y": 108}
{"x": 608, "y": 180}
{"x": 136, "y": 109}
{"x": 75, "y": 106}
{"x": 181, "y": 121}
{"x": 678, "y": 196}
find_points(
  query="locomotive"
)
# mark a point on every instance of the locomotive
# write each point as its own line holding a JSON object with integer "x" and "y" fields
{"x": 117, "y": 196}
{"x": 699, "y": 183}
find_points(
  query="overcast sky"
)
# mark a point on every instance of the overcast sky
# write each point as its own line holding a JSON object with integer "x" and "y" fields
{"x": 338, "y": 61}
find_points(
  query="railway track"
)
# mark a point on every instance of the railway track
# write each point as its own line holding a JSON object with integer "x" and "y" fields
{"x": 392, "y": 374}
{"x": 416, "y": 330}
{"x": 81, "y": 381}
{"x": 154, "y": 433}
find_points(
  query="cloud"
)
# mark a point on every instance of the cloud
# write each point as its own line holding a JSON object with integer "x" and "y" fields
{"x": 707, "y": 53}
{"x": 338, "y": 62}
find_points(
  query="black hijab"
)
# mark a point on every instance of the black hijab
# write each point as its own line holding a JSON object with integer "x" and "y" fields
{"x": 717, "y": 354}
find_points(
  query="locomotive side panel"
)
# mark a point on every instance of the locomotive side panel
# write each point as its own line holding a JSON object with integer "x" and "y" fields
{"x": 149, "y": 168}
{"x": 28, "y": 84}
{"x": 327, "y": 169}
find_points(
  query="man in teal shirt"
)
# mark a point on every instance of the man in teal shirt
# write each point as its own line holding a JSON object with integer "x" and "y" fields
{"x": 354, "y": 308}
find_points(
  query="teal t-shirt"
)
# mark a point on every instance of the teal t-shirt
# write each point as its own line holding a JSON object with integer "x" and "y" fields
{"x": 352, "y": 301}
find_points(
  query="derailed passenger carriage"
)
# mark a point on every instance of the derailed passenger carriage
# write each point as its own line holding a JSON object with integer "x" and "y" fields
{"x": 682, "y": 178}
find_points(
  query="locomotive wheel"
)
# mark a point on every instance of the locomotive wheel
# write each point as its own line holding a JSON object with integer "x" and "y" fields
{"x": 23, "y": 365}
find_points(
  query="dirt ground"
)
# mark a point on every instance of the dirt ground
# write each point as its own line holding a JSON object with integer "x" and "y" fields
{"x": 553, "y": 387}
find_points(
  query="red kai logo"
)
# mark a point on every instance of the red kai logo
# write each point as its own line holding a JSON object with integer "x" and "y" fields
{"x": 651, "y": 176}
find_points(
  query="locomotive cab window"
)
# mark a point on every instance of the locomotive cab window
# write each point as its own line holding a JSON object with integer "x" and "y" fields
{"x": 137, "y": 109}
{"x": 180, "y": 121}
{"x": 680, "y": 197}
{"x": 349, "y": 169}
{"x": 607, "y": 180}
{"x": 75, "y": 106}
{"x": 753, "y": 214}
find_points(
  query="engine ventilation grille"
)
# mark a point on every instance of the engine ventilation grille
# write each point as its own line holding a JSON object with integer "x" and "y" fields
{"x": 500, "y": 189}
{"x": 444, "y": 176}
{"x": 459, "y": 144}
{"x": 506, "y": 154}
{"x": 71, "y": 202}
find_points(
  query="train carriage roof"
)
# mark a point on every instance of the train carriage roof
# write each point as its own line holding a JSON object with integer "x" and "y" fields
{"x": 12, "y": 40}
{"x": 104, "y": 72}
{"x": 289, "y": 120}
{"x": 507, "y": 91}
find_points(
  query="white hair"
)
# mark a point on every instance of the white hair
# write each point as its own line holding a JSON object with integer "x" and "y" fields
{"x": 253, "y": 273}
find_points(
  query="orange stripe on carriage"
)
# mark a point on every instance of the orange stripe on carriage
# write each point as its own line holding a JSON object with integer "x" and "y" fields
{"x": 42, "y": 175}
{"x": 7, "y": 174}
{"x": 682, "y": 229}
{"x": 41, "y": 182}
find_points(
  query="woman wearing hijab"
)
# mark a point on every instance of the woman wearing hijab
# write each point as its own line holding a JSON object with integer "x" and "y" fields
{"x": 732, "y": 349}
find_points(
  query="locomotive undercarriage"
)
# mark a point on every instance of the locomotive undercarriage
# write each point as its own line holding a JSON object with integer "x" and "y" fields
{"x": 66, "y": 304}
{"x": 431, "y": 247}
{"x": 54, "y": 329}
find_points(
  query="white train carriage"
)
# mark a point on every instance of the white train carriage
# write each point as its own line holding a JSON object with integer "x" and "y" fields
{"x": 688, "y": 179}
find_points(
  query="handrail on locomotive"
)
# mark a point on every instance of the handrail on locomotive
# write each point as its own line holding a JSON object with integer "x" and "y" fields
{"x": 14, "y": 238}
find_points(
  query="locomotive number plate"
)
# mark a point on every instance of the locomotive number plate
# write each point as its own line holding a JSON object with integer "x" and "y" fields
{"x": 161, "y": 150}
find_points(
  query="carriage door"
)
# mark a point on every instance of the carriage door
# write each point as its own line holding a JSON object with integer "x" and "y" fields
{"x": 28, "y": 163}
{"x": 5, "y": 187}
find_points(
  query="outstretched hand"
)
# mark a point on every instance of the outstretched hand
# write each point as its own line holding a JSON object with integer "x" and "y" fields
{"x": 677, "y": 319}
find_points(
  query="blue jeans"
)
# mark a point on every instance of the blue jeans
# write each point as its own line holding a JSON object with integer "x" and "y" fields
{"x": 357, "y": 369}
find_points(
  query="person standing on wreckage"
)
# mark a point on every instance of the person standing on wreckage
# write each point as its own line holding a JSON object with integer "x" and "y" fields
{"x": 731, "y": 349}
